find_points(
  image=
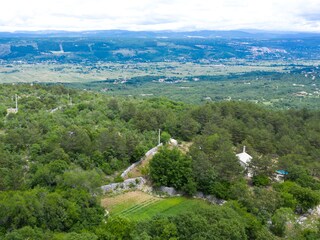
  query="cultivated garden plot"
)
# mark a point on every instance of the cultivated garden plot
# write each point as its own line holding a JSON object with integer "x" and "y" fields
{"x": 137, "y": 205}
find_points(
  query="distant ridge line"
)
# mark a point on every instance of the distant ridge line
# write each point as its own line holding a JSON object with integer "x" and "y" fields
{"x": 117, "y": 33}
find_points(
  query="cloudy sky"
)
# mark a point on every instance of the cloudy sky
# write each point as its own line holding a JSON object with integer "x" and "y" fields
{"x": 283, "y": 15}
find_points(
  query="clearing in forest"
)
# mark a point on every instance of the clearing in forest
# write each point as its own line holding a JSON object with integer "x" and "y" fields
{"x": 138, "y": 205}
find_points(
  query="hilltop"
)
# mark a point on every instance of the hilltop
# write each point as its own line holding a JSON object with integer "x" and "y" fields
{"x": 63, "y": 144}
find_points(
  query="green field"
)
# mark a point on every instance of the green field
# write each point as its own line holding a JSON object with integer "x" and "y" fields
{"x": 143, "y": 206}
{"x": 122, "y": 72}
{"x": 274, "y": 84}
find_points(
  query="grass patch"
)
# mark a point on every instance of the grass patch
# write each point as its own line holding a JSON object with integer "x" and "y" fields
{"x": 139, "y": 206}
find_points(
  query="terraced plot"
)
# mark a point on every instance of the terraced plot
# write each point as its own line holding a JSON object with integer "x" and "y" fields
{"x": 138, "y": 205}
{"x": 138, "y": 208}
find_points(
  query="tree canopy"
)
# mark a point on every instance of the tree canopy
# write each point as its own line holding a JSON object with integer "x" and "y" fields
{"x": 54, "y": 156}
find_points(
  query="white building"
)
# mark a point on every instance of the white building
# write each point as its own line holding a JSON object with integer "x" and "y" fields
{"x": 173, "y": 142}
{"x": 13, "y": 110}
{"x": 244, "y": 158}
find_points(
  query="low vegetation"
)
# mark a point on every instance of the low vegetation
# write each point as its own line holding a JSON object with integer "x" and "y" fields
{"x": 139, "y": 206}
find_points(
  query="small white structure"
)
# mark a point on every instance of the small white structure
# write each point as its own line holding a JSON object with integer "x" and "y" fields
{"x": 244, "y": 158}
{"x": 13, "y": 110}
{"x": 280, "y": 175}
{"x": 173, "y": 142}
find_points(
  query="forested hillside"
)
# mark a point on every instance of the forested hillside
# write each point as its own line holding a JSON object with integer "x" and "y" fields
{"x": 168, "y": 46}
{"x": 63, "y": 144}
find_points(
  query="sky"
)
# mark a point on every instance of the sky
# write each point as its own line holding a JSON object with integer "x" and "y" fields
{"x": 176, "y": 15}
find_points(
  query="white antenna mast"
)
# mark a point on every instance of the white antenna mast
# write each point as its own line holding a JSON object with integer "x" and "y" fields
{"x": 159, "y": 136}
{"x": 16, "y": 102}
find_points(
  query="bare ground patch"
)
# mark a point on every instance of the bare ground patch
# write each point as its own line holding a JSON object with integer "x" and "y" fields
{"x": 126, "y": 200}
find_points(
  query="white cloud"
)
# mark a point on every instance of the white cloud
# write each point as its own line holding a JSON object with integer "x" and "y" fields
{"x": 301, "y": 15}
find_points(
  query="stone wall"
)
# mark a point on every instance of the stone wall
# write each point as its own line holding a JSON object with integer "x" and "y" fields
{"x": 151, "y": 152}
{"x": 128, "y": 184}
{"x": 170, "y": 191}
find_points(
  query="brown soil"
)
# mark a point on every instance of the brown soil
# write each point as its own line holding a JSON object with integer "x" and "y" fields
{"x": 135, "y": 197}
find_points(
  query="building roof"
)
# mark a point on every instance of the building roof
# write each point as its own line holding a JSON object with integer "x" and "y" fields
{"x": 282, "y": 172}
{"x": 244, "y": 157}
{"x": 12, "y": 110}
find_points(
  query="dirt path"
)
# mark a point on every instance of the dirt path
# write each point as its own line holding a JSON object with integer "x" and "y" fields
{"x": 138, "y": 171}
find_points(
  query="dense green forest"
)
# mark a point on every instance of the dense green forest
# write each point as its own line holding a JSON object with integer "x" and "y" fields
{"x": 63, "y": 144}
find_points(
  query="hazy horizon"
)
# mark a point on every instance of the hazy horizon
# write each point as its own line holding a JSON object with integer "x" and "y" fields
{"x": 164, "y": 30}
{"x": 160, "y": 15}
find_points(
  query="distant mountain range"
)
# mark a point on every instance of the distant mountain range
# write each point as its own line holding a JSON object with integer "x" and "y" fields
{"x": 148, "y": 46}
{"x": 254, "y": 34}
